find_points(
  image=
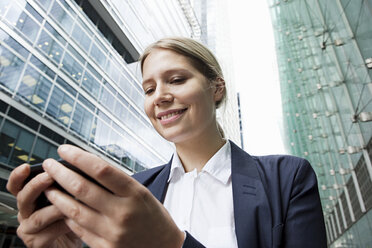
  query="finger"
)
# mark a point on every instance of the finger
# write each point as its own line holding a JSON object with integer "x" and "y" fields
{"x": 109, "y": 176}
{"x": 80, "y": 213}
{"x": 17, "y": 178}
{"x": 91, "y": 239}
{"x": 81, "y": 188}
{"x": 45, "y": 237}
{"x": 26, "y": 198}
{"x": 42, "y": 218}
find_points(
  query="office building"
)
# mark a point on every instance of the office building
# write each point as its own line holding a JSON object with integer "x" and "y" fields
{"x": 69, "y": 74}
{"x": 325, "y": 64}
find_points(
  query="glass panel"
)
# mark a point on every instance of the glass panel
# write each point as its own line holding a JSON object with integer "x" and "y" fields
{"x": 26, "y": 25}
{"x": 61, "y": 16}
{"x": 116, "y": 144}
{"x": 75, "y": 54}
{"x": 4, "y": 37}
{"x": 40, "y": 151}
{"x": 125, "y": 85}
{"x": 132, "y": 20}
{"x": 90, "y": 84}
{"x": 60, "y": 106}
{"x": 4, "y": 6}
{"x": 33, "y": 12}
{"x": 50, "y": 47}
{"x": 10, "y": 68}
{"x": 94, "y": 72}
{"x": 34, "y": 87}
{"x": 54, "y": 33}
{"x": 8, "y": 136}
{"x": 52, "y": 153}
{"x": 86, "y": 103}
{"x": 66, "y": 86}
{"x": 44, "y": 4}
{"x": 107, "y": 99}
{"x": 22, "y": 148}
{"x": 112, "y": 70}
{"x": 42, "y": 67}
{"x": 72, "y": 67}
{"x": 81, "y": 121}
{"x": 120, "y": 111}
{"x": 100, "y": 133}
{"x": 98, "y": 56}
{"x": 81, "y": 37}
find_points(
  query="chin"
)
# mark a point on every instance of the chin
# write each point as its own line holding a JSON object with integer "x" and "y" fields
{"x": 175, "y": 136}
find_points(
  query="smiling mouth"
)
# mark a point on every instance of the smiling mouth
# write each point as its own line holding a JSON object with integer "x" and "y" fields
{"x": 168, "y": 116}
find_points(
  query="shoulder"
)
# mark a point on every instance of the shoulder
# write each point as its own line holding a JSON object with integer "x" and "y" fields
{"x": 269, "y": 163}
{"x": 147, "y": 175}
{"x": 286, "y": 173}
{"x": 282, "y": 164}
{"x": 290, "y": 174}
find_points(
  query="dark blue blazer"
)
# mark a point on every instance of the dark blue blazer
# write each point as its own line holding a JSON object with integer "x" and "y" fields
{"x": 276, "y": 200}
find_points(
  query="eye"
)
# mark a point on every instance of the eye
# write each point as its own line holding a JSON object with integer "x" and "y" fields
{"x": 149, "y": 91}
{"x": 177, "y": 80}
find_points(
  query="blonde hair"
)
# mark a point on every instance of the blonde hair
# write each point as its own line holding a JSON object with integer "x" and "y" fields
{"x": 199, "y": 56}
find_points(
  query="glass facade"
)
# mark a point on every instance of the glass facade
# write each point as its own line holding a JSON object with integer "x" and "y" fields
{"x": 68, "y": 74}
{"x": 325, "y": 65}
{"x": 61, "y": 69}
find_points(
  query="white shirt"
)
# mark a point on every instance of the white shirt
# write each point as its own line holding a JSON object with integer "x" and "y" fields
{"x": 202, "y": 203}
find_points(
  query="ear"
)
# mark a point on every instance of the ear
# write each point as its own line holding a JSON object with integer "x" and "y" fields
{"x": 220, "y": 89}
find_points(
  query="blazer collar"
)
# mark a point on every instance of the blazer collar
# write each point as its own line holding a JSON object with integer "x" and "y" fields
{"x": 252, "y": 212}
{"x": 159, "y": 186}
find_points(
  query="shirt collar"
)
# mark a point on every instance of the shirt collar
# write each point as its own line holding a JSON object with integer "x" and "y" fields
{"x": 218, "y": 166}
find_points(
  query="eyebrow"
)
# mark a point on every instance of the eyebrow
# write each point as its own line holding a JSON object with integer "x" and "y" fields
{"x": 168, "y": 72}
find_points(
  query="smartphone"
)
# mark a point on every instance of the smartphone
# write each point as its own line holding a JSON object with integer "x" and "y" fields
{"x": 36, "y": 169}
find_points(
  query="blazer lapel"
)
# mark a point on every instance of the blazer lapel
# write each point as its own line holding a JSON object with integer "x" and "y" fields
{"x": 251, "y": 207}
{"x": 159, "y": 186}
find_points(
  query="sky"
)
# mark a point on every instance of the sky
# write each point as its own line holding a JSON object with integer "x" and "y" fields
{"x": 256, "y": 76}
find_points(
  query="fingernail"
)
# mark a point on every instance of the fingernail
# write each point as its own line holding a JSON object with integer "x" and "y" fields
{"x": 49, "y": 193}
{"x": 63, "y": 148}
{"x": 48, "y": 163}
{"x": 46, "y": 178}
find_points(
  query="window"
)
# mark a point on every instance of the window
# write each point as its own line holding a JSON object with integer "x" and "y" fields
{"x": 42, "y": 67}
{"x": 16, "y": 145}
{"x": 62, "y": 17}
{"x": 13, "y": 44}
{"x": 10, "y": 68}
{"x": 34, "y": 88}
{"x": 43, "y": 150}
{"x": 82, "y": 121}
{"x": 91, "y": 84}
{"x": 50, "y": 47}
{"x": 23, "y": 22}
{"x": 107, "y": 32}
{"x": 81, "y": 37}
{"x": 72, "y": 67}
{"x": 61, "y": 106}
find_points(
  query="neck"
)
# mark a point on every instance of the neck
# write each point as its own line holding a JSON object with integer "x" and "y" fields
{"x": 195, "y": 153}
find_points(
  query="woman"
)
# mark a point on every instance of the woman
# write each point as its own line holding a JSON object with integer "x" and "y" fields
{"x": 214, "y": 194}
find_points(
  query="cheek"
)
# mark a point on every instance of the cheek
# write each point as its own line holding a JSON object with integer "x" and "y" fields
{"x": 148, "y": 108}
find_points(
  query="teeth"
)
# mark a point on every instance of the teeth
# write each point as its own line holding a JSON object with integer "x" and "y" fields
{"x": 170, "y": 115}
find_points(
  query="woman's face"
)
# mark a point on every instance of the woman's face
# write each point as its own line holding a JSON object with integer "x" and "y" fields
{"x": 179, "y": 100}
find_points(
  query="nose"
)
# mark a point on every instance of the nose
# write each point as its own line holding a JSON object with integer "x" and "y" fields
{"x": 162, "y": 95}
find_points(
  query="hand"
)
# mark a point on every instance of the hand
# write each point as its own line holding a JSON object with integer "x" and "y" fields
{"x": 44, "y": 227}
{"x": 125, "y": 214}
